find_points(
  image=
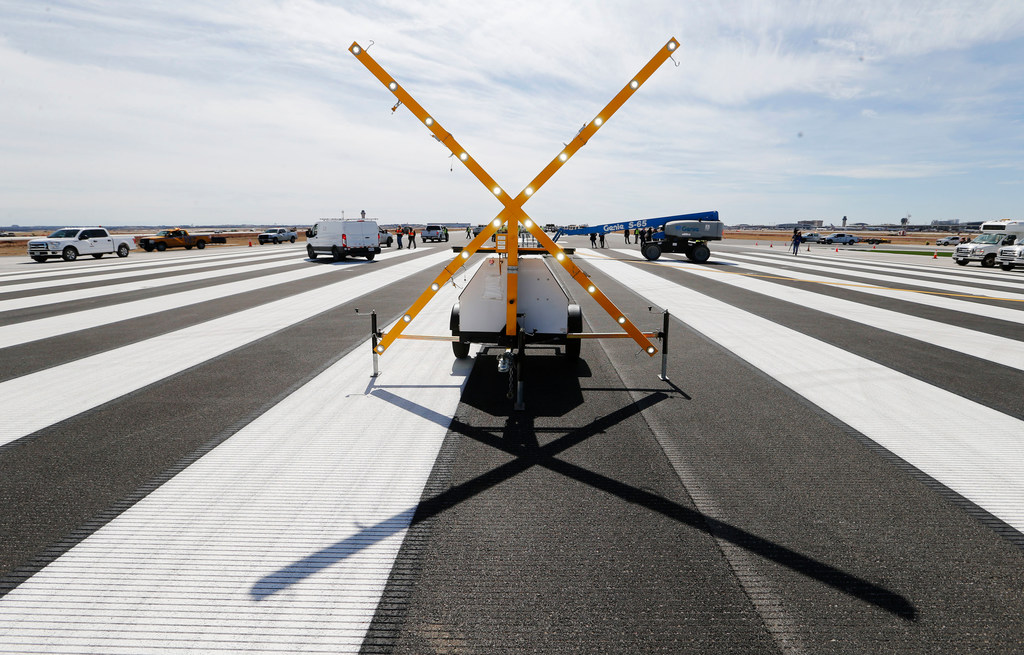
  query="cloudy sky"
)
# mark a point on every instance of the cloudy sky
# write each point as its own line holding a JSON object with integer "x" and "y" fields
{"x": 220, "y": 111}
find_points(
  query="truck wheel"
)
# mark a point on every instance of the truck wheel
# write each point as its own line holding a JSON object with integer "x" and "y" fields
{"x": 575, "y": 326}
{"x": 69, "y": 254}
{"x": 989, "y": 260}
{"x": 1006, "y": 267}
{"x": 200, "y": 244}
{"x": 390, "y": 241}
{"x": 148, "y": 248}
{"x": 460, "y": 348}
{"x": 292, "y": 239}
{"x": 122, "y": 250}
{"x": 962, "y": 262}
{"x": 651, "y": 251}
{"x": 160, "y": 247}
{"x": 188, "y": 247}
{"x": 698, "y": 254}
{"x": 310, "y": 252}
{"x": 39, "y": 258}
{"x": 337, "y": 254}
{"x": 369, "y": 256}
{"x": 277, "y": 241}
{"x": 97, "y": 255}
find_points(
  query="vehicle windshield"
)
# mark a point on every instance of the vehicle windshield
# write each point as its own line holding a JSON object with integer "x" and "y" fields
{"x": 64, "y": 234}
{"x": 164, "y": 233}
{"x": 433, "y": 227}
{"x": 991, "y": 237}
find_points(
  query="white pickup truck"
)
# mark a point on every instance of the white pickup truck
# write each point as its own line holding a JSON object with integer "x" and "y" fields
{"x": 70, "y": 242}
{"x": 277, "y": 235}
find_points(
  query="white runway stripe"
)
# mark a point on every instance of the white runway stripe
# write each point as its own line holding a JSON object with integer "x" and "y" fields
{"x": 120, "y": 274}
{"x": 140, "y": 285}
{"x": 922, "y": 272}
{"x": 85, "y": 269}
{"x": 932, "y": 300}
{"x": 280, "y": 540}
{"x": 904, "y": 415}
{"x": 45, "y": 328}
{"x": 964, "y": 289}
{"x": 977, "y": 344}
{"x": 92, "y": 381}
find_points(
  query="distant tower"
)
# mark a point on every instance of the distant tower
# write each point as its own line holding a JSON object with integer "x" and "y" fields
{"x": 363, "y": 214}
{"x": 844, "y": 222}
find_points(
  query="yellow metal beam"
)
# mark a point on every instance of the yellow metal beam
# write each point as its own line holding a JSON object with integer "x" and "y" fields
{"x": 513, "y": 214}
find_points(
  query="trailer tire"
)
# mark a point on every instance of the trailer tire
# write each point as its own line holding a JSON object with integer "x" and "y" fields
{"x": 575, "y": 326}
{"x": 651, "y": 251}
{"x": 698, "y": 254}
{"x": 460, "y": 348}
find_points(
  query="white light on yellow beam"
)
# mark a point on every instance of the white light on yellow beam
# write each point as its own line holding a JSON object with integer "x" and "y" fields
{"x": 650, "y": 350}
{"x": 429, "y": 121}
{"x": 356, "y": 50}
{"x": 496, "y": 222}
{"x": 672, "y": 45}
{"x": 407, "y": 318}
{"x": 634, "y": 84}
{"x": 598, "y": 121}
{"x": 434, "y": 287}
{"x": 497, "y": 191}
{"x": 591, "y": 289}
{"x": 380, "y": 349}
{"x": 529, "y": 190}
{"x": 465, "y": 255}
{"x": 622, "y": 319}
{"x": 393, "y": 86}
{"x": 528, "y": 223}
{"x": 560, "y": 256}
{"x": 563, "y": 156}
{"x": 463, "y": 156}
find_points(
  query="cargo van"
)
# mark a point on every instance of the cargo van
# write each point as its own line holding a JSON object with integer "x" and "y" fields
{"x": 340, "y": 239}
{"x": 985, "y": 247}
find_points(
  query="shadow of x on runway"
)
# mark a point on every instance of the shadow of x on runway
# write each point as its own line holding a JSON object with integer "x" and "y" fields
{"x": 518, "y": 439}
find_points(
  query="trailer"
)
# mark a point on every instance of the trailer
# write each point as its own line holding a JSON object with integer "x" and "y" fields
{"x": 515, "y": 300}
{"x": 685, "y": 233}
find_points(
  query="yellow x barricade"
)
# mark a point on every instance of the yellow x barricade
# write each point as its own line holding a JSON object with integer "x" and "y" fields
{"x": 513, "y": 214}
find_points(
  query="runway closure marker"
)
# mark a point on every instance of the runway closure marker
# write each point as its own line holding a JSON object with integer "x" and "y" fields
{"x": 512, "y": 214}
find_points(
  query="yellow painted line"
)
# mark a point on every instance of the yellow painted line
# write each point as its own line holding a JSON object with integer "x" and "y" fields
{"x": 797, "y": 279}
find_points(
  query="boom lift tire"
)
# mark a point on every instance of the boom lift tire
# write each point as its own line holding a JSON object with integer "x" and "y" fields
{"x": 651, "y": 251}
{"x": 460, "y": 348}
{"x": 698, "y": 254}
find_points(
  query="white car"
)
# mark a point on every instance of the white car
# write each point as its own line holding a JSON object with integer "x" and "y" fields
{"x": 841, "y": 237}
{"x": 812, "y": 237}
{"x": 949, "y": 241}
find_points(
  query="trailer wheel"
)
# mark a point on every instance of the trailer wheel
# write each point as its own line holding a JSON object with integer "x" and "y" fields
{"x": 460, "y": 348}
{"x": 651, "y": 251}
{"x": 575, "y": 326}
{"x": 698, "y": 254}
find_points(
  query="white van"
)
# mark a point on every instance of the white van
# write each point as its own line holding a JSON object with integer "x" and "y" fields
{"x": 340, "y": 239}
{"x": 985, "y": 247}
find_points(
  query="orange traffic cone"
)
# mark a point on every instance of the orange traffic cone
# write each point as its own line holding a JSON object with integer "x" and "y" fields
{"x": 837, "y": 248}
{"x": 755, "y": 243}
{"x": 250, "y": 243}
{"x": 808, "y": 249}
{"x": 936, "y": 255}
{"x": 771, "y": 245}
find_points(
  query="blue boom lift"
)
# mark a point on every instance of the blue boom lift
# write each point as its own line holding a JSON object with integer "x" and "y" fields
{"x": 685, "y": 233}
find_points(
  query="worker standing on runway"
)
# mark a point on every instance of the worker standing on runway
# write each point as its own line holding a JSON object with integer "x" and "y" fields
{"x": 625, "y": 233}
{"x": 412, "y": 238}
{"x": 601, "y": 237}
{"x": 798, "y": 238}
{"x": 593, "y": 240}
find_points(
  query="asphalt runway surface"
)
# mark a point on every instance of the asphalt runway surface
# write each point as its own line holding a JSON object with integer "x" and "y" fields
{"x": 195, "y": 458}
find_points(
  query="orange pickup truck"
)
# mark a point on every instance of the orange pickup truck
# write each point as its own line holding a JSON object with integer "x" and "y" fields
{"x": 175, "y": 238}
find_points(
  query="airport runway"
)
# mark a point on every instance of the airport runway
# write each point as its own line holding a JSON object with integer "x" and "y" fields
{"x": 195, "y": 458}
